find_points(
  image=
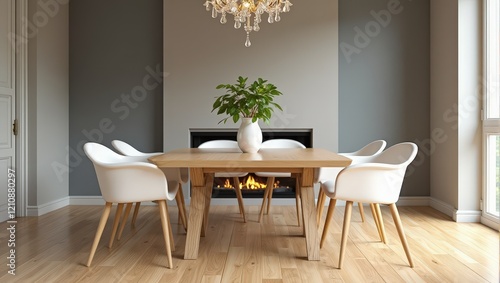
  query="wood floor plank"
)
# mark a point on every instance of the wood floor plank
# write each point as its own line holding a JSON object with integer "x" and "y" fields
{"x": 211, "y": 279}
{"x": 55, "y": 246}
{"x": 291, "y": 275}
{"x": 233, "y": 269}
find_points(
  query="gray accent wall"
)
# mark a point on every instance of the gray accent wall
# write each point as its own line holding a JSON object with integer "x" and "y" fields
{"x": 384, "y": 82}
{"x": 115, "y": 88}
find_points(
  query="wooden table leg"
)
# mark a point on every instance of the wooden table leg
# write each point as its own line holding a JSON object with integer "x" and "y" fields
{"x": 209, "y": 184}
{"x": 196, "y": 213}
{"x": 309, "y": 214}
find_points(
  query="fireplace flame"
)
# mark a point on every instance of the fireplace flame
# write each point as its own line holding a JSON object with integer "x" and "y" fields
{"x": 252, "y": 184}
{"x": 227, "y": 184}
{"x": 249, "y": 183}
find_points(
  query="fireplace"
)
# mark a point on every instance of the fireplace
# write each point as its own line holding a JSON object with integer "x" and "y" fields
{"x": 252, "y": 186}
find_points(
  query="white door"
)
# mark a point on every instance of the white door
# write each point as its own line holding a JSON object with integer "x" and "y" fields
{"x": 7, "y": 107}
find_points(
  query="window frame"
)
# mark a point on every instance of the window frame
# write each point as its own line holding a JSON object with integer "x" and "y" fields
{"x": 490, "y": 126}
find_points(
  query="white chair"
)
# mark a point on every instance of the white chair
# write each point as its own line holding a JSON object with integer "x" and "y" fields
{"x": 234, "y": 175}
{"x": 330, "y": 173}
{"x": 180, "y": 175}
{"x": 268, "y": 194}
{"x": 119, "y": 177}
{"x": 377, "y": 180}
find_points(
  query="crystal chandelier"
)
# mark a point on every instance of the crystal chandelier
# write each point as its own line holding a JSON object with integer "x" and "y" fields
{"x": 244, "y": 10}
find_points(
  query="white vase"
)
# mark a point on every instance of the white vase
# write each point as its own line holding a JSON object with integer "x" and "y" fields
{"x": 249, "y": 136}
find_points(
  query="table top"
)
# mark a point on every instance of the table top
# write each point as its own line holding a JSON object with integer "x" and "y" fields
{"x": 264, "y": 158}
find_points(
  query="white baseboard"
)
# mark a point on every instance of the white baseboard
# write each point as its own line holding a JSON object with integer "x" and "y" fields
{"x": 467, "y": 216}
{"x": 98, "y": 200}
{"x": 4, "y": 215}
{"x": 457, "y": 215}
{"x": 442, "y": 206}
{"x": 40, "y": 210}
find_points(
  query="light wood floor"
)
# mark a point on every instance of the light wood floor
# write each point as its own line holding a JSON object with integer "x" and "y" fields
{"x": 54, "y": 248}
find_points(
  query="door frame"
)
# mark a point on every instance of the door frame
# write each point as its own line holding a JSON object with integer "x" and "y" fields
{"x": 21, "y": 73}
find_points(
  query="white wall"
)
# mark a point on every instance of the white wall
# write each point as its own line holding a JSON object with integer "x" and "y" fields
{"x": 298, "y": 55}
{"x": 48, "y": 104}
{"x": 470, "y": 93}
{"x": 455, "y": 107}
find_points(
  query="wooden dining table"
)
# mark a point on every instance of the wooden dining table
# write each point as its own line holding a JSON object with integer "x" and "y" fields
{"x": 204, "y": 163}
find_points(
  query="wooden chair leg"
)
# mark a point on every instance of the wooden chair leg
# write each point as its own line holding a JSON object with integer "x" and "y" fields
{"x": 402, "y": 237}
{"x": 183, "y": 212}
{"x": 345, "y": 232}
{"x": 270, "y": 182}
{"x": 329, "y": 217}
{"x": 128, "y": 207}
{"x": 377, "y": 221}
{"x": 381, "y": 223}
{"x": 264, "y": 199}
{"x": 165, "y": 226}
{"x": 171, "y": 232}
{"x": 207, "y": 197}
{"x": 119, "y": 210}
{"x": 98, "y": 233}
{"x": 180, "y": 205}
{"x": 136, "y": 212}
{"x": 241, "y": 204}
{"x": 298, "y": 201}
{"x": 320, "y": 206}
{"x": 361, "y": 211}
{"x": 236, "y": 182}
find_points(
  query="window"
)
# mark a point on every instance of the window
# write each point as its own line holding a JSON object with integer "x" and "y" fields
{"x": 491, "y": 112}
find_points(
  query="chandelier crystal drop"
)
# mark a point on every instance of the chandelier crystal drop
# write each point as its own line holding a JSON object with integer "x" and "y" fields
{"x": 248, "y": 13}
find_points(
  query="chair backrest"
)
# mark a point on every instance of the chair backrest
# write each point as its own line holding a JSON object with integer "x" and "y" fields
{"x": 172, "y": 174}
{"x": 377, "y": 179}
{"x": 219, "y": 144}
{"x": 100, "y": 154}
{"x": 122, "y": 178}
{"x": 125, "y": 148}
{"x": 400, "y": 154}
{"x": 372, "y": 148}
{"x": 359, "y": 156}
{"x": 282, "y": 143}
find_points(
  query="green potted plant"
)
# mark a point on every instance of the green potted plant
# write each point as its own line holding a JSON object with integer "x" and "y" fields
{"x": 250, "y": 103}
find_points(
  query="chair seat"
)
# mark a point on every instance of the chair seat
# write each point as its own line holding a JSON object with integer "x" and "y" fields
{"x": 328, "y": 187}
{"x": 274, "y": 174}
